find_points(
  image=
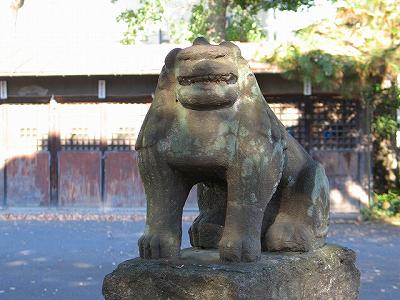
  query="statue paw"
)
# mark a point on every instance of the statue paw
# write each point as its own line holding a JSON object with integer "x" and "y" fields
{"x": 158, "y": 246}
{"x": 245, "y": 250}
{"x": 290, "y": 237}
{"x": 205, "y": 235}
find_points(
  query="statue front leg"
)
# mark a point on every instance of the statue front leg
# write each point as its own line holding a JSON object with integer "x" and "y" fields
{"x": 166, "y": 192}
{"x": 251, "y": 185}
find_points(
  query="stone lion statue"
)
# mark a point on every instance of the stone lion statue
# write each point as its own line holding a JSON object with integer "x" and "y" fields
{"x": 210, "y": 125}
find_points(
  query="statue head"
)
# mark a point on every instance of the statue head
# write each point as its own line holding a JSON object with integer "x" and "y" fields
{"x": 206, "y": 76}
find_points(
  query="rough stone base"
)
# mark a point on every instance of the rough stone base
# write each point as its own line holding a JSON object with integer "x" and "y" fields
{"x": 328, "y": 273}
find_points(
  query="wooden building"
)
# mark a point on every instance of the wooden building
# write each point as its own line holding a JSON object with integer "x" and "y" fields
{"x": 69, "y": 121}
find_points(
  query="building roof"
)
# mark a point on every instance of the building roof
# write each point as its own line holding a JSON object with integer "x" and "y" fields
{"x": 39, "y": 59}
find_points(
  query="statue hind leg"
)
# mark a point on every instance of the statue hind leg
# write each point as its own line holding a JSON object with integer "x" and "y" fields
{"x": 206, "y": 230}
{"x": 303, "y": 218}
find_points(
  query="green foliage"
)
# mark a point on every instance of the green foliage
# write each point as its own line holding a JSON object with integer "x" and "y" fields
{"x": 384, "y": 205}
{"x": 257, "y": 5}
{"x": 372, "y": 214}
{"x": 386, "y": 102}
{"x": 241, "y": 17}
{"x": 362, "y": 45}
{"x": 389, "y": 202}
{"x": 356, "y": 55}
{"x": 199, "y": 21}
{"x": 385, "y": 125}
{"x": 352, "y": 56}
{"x": 142, "y": 22}
{"x": 327, "y": 71}
{"x": 243, "y": 26}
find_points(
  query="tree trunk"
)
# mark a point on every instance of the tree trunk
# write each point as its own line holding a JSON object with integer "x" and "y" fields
{"x": 217, "y": 19}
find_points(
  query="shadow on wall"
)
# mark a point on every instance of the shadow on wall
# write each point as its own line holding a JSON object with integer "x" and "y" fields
{"x": 83, "y": 175}
{"x": 25, "y": 180}
{"x": 347, "y": 196}
{"x": 348, "y": 187}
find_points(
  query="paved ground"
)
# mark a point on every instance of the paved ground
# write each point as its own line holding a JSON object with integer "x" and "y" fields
{"x": 68, "y": 260}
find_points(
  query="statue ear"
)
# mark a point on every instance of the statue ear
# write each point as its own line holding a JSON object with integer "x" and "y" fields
{"x": 231, "y": 46}
{"x": 201, "y": 40}
{"x": 170, "y": 58}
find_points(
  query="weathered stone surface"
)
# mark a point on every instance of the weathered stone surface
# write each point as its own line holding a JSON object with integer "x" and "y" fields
{"x": 209, "y": 125}
{"x": 326, "y": 273}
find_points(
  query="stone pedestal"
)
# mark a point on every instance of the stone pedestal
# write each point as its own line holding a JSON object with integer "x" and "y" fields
{"x": 328, "y": 273}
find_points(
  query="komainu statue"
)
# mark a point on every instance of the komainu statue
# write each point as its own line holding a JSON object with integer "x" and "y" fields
{"x": 210, "y": 125}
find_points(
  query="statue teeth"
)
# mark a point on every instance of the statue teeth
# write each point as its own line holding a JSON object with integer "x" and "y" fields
{"x": 228, "y": 78}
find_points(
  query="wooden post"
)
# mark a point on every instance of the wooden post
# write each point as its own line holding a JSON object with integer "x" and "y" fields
{"x": 369, "y": 152}
{"x": 308, "y": 120}
{"x": 54, "y": 147}
{"x": 103, "y": 148}
{"x": 4, "y": 151}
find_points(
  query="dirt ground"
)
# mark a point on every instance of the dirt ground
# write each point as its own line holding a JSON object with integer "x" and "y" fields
{"x": 68, "y": 259}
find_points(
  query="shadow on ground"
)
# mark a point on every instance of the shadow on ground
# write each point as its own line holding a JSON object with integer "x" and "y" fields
{"x": 68, "y": 260}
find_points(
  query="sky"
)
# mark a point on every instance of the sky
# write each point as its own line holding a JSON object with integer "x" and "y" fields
{"x": 288, "y": 21}
{"x": 76, "y": 21}
{"x": 94, "y": 21}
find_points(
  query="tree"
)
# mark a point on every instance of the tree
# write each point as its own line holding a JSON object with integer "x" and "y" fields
{"x": 216, "y": 19}
{"x": 358, "y": 55}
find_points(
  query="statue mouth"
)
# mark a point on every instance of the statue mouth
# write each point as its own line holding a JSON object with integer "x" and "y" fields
{"x": 228, "y": 78}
